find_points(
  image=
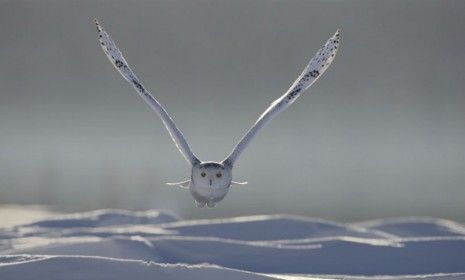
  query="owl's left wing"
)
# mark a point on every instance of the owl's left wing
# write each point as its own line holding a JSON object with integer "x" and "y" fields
{"x": 118, "y": 61}
{"x": 315, "y": 68}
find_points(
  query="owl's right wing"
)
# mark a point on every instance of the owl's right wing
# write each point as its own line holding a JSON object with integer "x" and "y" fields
{"x": 315, "y": 68}
{"x": 117, "y": 59}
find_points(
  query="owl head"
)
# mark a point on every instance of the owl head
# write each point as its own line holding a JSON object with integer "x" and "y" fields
{"x": 212, "y": 174}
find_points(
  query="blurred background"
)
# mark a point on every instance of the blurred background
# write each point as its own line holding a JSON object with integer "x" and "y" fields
{"x": 381, "y": 134}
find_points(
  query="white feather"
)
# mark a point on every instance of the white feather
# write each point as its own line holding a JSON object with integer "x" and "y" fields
{"x": 183, "y": 184}
{"x": 239, "y": 183}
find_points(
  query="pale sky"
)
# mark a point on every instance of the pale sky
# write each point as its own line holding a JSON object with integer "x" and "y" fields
{"x": 380, "y": 135}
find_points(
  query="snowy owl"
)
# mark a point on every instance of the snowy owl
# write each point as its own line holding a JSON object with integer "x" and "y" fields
{"x": 210, "y": 181}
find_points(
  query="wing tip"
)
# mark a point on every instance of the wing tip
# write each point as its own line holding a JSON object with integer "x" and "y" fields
{"x": 337, "y": 35}
{"x": 97, "y": 24}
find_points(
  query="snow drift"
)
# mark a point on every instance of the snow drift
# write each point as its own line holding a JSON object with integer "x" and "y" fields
{"x": 115, "y": 244}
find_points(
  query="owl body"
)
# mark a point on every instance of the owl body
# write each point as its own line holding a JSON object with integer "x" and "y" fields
{"x": 210, "y": 182}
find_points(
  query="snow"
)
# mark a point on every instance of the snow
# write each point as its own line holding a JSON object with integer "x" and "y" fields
{"x": 75, "y": 267}
{"x": 118, "y": 244}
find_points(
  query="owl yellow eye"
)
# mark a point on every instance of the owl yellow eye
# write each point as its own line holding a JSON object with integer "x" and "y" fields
{"x": 218, "y": 175}
{"x": 203, "y": 174}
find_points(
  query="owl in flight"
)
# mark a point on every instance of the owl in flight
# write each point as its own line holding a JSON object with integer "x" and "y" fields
{"x": 210, "y": 181}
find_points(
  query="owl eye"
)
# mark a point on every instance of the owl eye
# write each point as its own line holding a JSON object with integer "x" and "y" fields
{"x": 203, "y": 174}
{"x": 218, "y": 175}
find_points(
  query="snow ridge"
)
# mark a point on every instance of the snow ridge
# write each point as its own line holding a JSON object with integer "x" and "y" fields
{"x": 114, "y": 244}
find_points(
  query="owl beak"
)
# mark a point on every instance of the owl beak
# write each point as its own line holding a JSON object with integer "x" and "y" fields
{"x": 210, "y": 182}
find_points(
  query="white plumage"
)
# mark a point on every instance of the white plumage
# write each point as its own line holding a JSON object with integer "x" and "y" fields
{"x": 210, "y": 181}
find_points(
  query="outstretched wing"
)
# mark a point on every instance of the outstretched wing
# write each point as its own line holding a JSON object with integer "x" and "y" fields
{"x": 315, "y": 68}
{"x": 117, "y": 59}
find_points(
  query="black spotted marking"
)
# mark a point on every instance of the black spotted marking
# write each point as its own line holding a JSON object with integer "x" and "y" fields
{"x": 314, "y": 73}
{"x": 293, "y": 93}
{"x": 137, "y": 85}
{"x": 119, "y": 63}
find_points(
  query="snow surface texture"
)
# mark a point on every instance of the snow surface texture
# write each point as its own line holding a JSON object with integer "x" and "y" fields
{"x": 117, "y": 244}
